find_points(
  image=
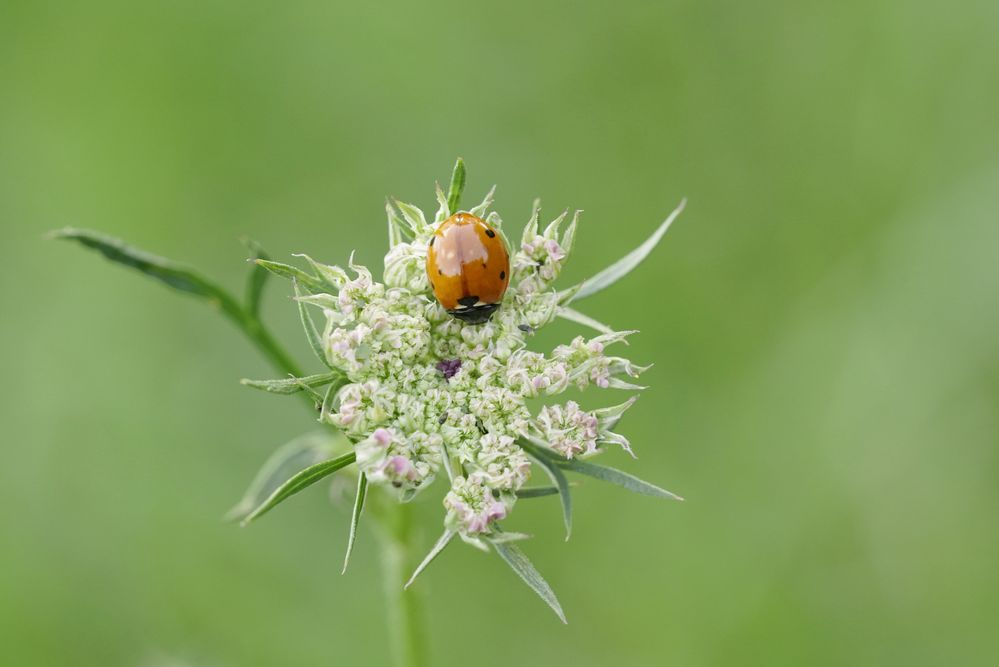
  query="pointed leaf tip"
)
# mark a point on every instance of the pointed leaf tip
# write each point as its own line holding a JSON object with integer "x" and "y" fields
{"x": 435, "y": 551}
{"x": 524, "y": 568}
{"x": 457, "y": 186}
{"x": 618, "y": 477}
{"x": 355, "y": 517}
{"x": 629, "y": 262}
{"x": 298, "y": 482}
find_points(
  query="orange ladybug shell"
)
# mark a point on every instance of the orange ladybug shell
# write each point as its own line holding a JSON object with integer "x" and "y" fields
{"x": 468, "y": 267}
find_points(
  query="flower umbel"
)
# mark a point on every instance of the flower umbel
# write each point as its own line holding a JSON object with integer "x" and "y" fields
{"x": 418, "y": 395}
{"x": 421, "y": 394}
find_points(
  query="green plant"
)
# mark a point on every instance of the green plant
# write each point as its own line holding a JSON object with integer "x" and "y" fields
{"x": 407, "y": 394}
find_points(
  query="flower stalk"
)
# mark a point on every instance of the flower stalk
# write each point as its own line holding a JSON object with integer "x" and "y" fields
{"x": 404, "y": 607}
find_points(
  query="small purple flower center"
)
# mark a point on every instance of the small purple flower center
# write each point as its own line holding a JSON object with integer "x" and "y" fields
{"x": 449, "y": 367}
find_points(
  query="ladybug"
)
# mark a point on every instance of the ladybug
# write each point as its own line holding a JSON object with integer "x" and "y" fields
{"x": 468, "y": 267}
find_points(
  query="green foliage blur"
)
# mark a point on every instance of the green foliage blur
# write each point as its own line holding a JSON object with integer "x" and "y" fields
{"x": 823, "y": 319}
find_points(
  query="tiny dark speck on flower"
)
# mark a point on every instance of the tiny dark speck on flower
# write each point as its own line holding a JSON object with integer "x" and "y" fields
{"x": 449, "y": 367}
{"x": 526, "y": 328}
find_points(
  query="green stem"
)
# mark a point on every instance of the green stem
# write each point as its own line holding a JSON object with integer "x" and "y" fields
{"x": 404, "y": 606}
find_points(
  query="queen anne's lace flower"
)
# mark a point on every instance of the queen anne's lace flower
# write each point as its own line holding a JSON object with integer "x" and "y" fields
{"x": 424, "y": 391}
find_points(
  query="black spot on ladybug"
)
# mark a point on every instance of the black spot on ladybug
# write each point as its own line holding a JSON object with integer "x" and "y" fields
{"x": 432, "y": 240}
{"x": 468, "y": 301}
{"x": 490, "y": 233}
{"x": 440, "y": 272}
{"x": 502, "y": 275}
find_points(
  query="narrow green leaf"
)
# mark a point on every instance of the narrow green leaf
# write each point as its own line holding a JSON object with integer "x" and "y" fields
{"x": 457, "y": 186}
{"x": 171, "y": 273}
{"x": 257, "y": 279}
{"x": 355, "y": 516}
{"x": 298, "y": 482}
{"x": 626, "y": 264}
{"x": 615, "y": 476}
{"x": 559, "y": 480}
{"x": 444, "y": 540}
{"x": 521, "y": 564}
{"x": 537, "y": 492}
{"x": 311, "y": 283}
{"x": 290, "y": 458}
{"x": 573, "y": 315}
{"x": 292, "y": 385}
{"x": 310, "y": 326}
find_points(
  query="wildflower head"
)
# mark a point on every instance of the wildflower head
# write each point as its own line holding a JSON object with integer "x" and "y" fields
{"x": 422, "y": 391}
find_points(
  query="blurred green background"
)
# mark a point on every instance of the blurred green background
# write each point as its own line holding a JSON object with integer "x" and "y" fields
{"x": 823, "y": 319}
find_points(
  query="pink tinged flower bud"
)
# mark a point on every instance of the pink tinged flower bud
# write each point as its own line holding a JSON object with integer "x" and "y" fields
{"x": 382, "y": 436}
{"x": 554, "y": 250}
{"x": 401, "y": 467}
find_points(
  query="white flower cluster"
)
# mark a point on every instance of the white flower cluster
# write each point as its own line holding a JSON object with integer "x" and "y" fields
{"x": 425, "y": 391}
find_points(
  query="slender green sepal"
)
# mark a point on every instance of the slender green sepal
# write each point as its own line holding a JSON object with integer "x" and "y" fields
{"x": 416, "y": 223}
{"x": 298, "y": 482}
{"x": 610, "y": 416}
{"x": 327, "y": 405}
{"x": 310, "y": 327}
{"x": 480, "y": 210}
{"x": 355, "y": 517}
{"x": 443, "y": 209}
{"x": 446, "y": 460}
{"x": 626, "y": 264}
{"x": 444, "y": 540}
{"x": 293, "y": 385}
{"x": 521, "y": 564}
{"x": 551, "y": 231}
{"x": 307, "y": 281}
{"x": 331, "y": 277}
{"x": 618, "y": 383}
{"x": 569, "y": 236}
{"x": 494, "y": 220}
{"x": 457, "y": 186}
{"x": 257, "y": 279}
{"x": 395, "y": 225}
